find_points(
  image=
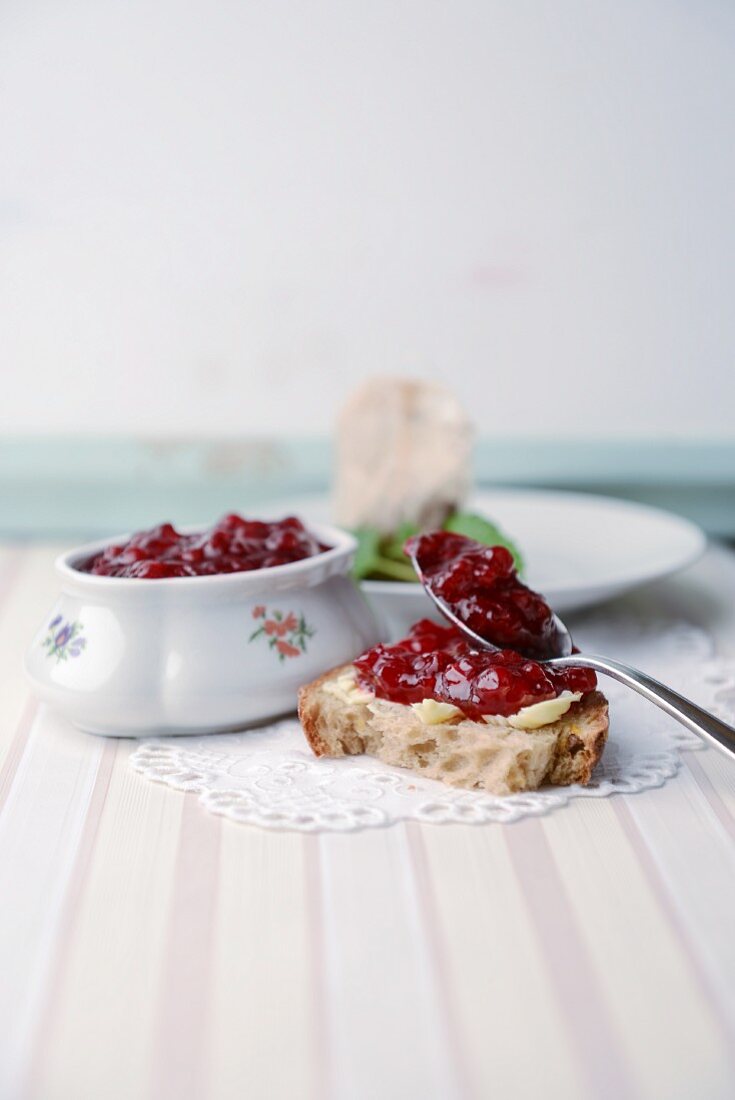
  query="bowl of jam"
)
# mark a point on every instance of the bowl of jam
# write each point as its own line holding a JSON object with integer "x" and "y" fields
{"x": 194, "y": 631}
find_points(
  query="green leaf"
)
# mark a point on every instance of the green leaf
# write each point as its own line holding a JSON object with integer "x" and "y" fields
{"x": 383, "y": 558}
{"x": 388, "y": 570}
{"x": 392, "y": 547}
{"x": 367, "y": 553}
{"x": 482, "y": 530}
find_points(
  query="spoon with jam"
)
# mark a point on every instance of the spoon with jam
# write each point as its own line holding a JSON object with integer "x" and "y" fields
{"x": 477, "y": 589}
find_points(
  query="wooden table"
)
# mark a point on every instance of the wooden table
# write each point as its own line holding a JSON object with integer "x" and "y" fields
{"x": 148, "y": 949}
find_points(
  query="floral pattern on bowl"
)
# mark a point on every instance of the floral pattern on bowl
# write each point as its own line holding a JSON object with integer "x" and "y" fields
{"x": 64, "y": 639}
{"x": 286, "y": 633}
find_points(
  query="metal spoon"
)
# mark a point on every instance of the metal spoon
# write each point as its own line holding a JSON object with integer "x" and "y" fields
{"x": 560, "y": 655}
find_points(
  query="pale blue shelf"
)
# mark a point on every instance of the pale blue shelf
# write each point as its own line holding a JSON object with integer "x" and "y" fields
{"x": 72, "y": 486}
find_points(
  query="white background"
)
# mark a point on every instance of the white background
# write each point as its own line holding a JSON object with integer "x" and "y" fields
{"x": 218, "y": 216}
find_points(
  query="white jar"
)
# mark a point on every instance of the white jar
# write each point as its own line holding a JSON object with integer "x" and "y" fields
{"x": 130, "y": 657}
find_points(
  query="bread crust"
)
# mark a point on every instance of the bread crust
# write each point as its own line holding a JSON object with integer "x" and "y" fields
{"x": 309, "y": 711}
{"x": 591, "y": 715}
{"x": 579, "y": 736}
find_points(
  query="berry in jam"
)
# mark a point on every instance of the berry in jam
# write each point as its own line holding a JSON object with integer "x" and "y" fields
{"x": 436, "y": 662}
{"x": 234, "y": 545}
{"x": 480, "y": 585}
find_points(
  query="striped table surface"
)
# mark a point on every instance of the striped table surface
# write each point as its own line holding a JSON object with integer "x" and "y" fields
{"x": 148, "y": 949}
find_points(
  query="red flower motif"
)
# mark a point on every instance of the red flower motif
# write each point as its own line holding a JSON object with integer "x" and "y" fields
{"x": 274, "y": 629}
{"x": 287, "y": 632}
{"x": 278, "y": 629}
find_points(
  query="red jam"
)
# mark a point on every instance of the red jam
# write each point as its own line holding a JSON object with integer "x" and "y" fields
{"x": 436, "y": 662}
{"x": 234, "y": 545}
{"x": 479, "y": 583}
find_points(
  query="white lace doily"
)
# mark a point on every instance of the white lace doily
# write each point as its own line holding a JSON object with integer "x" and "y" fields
{"x": 269, "y": 777}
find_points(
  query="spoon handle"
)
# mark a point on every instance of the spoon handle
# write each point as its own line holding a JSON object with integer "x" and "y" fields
{"x": 694, "y": 717}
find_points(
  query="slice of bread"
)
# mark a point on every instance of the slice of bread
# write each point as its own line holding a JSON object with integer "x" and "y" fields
{"x": 339, "y": 720}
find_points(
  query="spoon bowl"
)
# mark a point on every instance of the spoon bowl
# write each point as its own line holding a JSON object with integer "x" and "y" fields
{"x": 559, "y": 645}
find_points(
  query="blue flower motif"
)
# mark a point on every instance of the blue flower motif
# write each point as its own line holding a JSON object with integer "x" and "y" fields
{"x": 65, "y": 642}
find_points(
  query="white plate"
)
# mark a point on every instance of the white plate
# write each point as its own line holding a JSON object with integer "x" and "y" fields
{"x": 579, "y": 549}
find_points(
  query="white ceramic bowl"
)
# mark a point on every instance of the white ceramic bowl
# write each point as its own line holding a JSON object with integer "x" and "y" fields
{"x": 129, "y": 657}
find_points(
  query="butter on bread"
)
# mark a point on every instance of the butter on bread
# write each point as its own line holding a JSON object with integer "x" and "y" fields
{"x": 403, "y": 455}
{"x": 339, "y": 719}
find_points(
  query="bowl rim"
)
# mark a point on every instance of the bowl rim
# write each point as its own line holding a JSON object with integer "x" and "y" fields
{"x": 333, "y": 561}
